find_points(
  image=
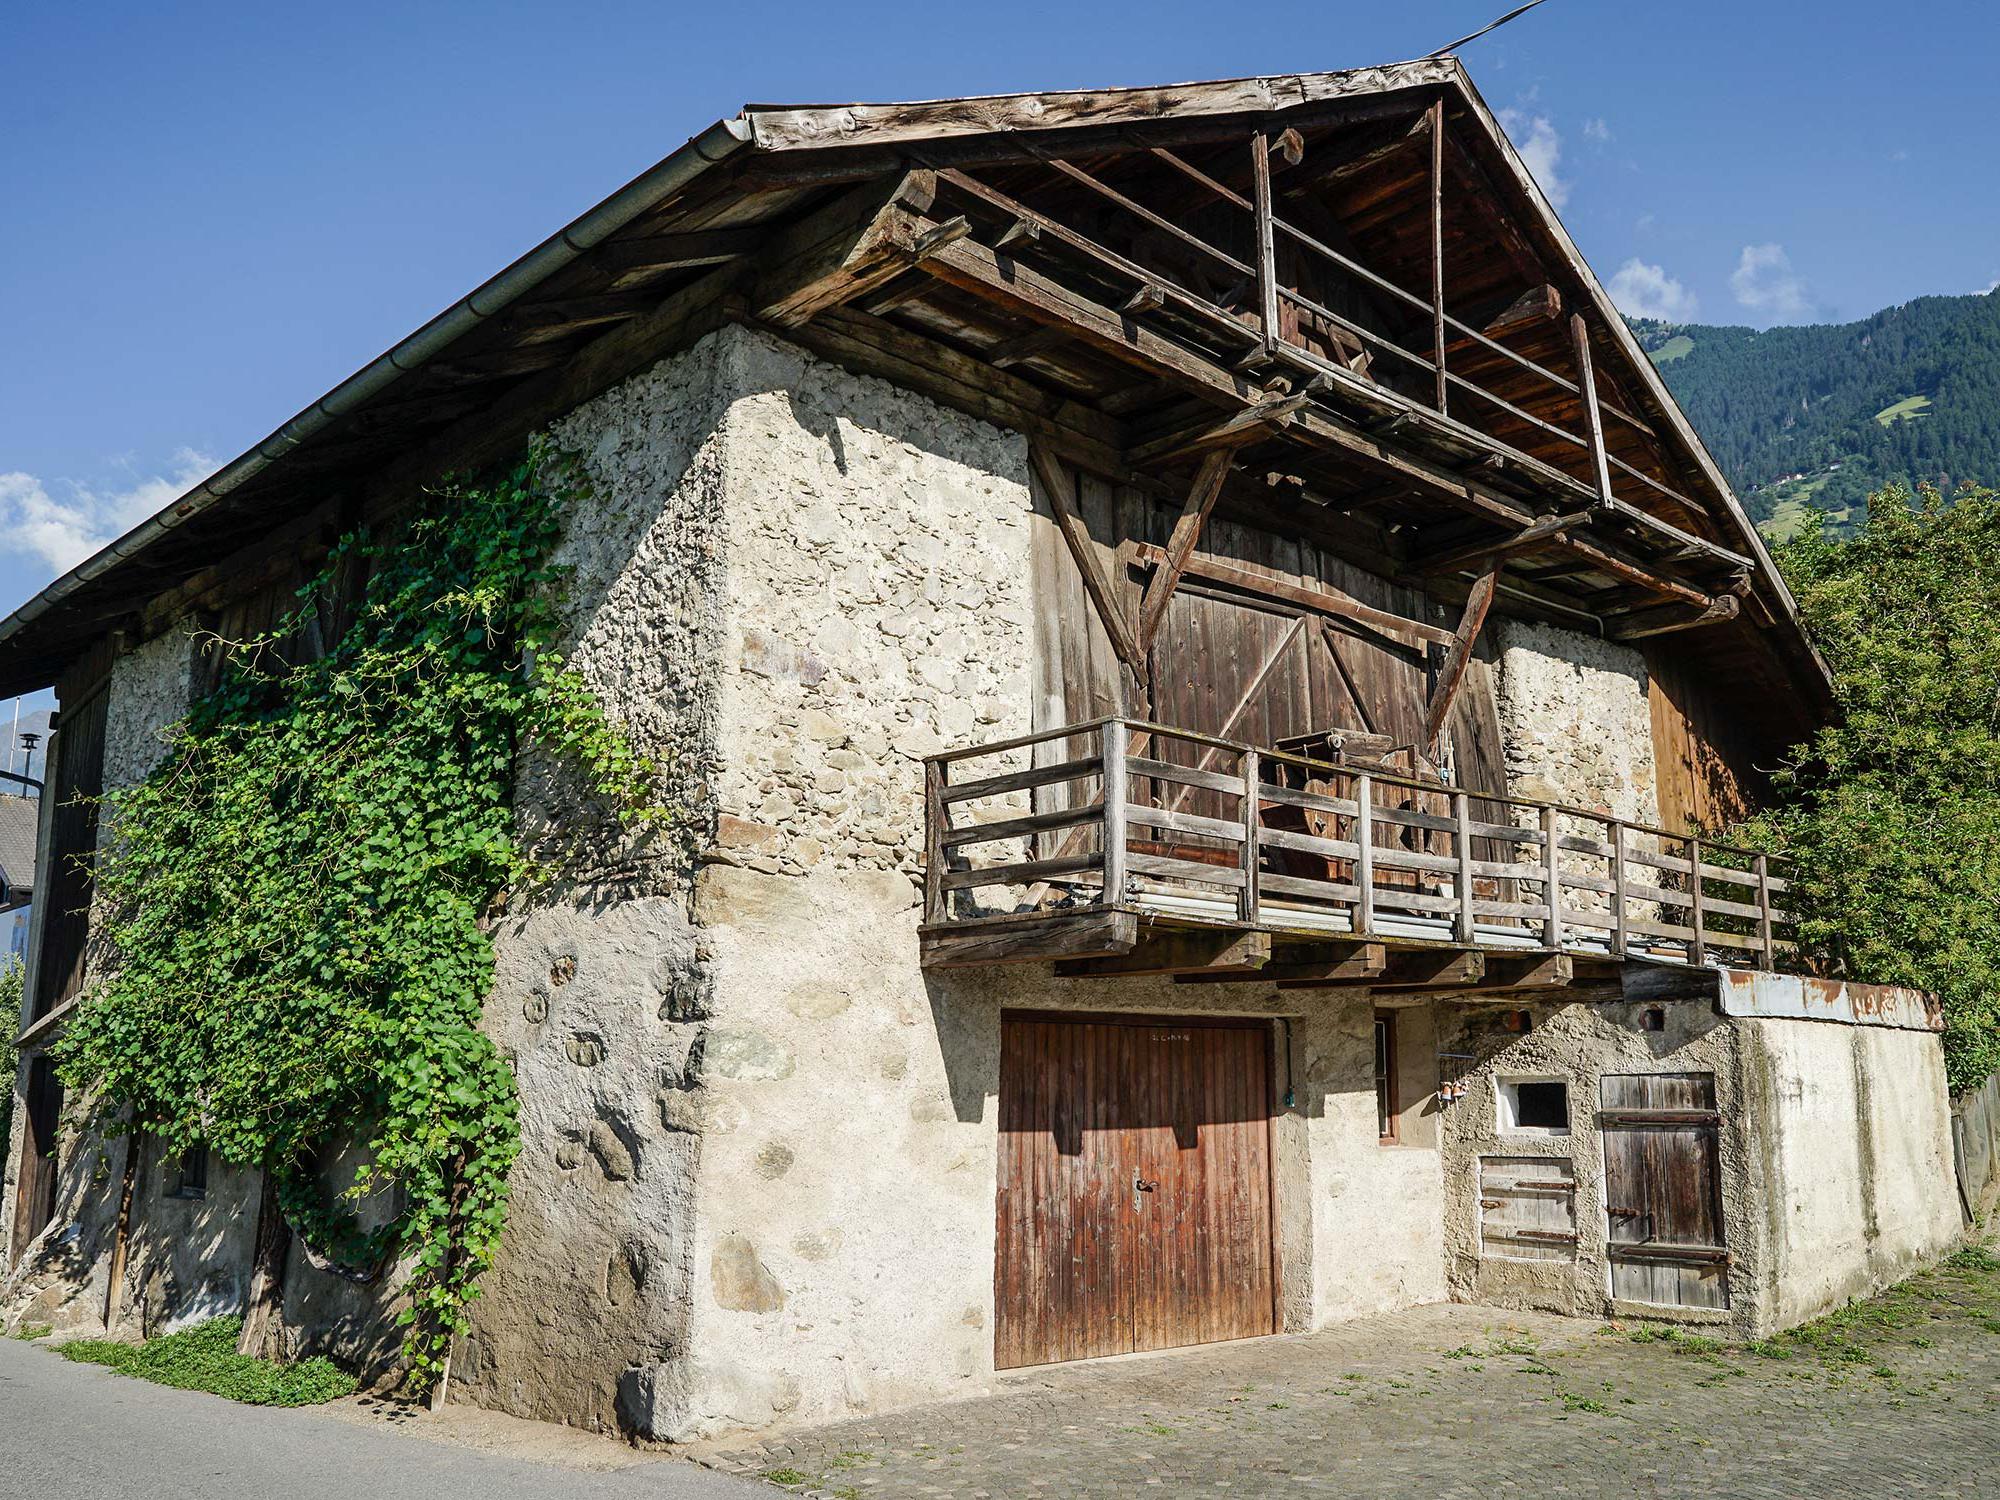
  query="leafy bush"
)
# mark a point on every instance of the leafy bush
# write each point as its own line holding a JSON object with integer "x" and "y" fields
{"x": 204, "y": 1358}
{"x": 1893, "y": 811}
{"x": 298, "y": 893}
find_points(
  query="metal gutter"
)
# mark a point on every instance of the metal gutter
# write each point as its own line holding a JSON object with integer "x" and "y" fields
{"x": 644, "y": 193}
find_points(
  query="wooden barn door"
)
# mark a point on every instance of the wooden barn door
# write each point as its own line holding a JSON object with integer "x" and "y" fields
{"x": 1663, "y": 1189}
{"x": 1134, "y": 1197}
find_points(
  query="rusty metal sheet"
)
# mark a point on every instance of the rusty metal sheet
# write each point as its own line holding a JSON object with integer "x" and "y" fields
{"x": 1798, "y": 997}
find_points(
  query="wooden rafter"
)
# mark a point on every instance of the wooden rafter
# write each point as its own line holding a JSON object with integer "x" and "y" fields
{"x": 1549, "y": 529}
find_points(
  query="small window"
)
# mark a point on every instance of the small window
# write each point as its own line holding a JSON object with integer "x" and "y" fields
{"x": 1385, "y": 1076}
{"x": 1534, "y": 1106}
{"x": 187, "y": 1177}
{"x": 1653, "y": 1018}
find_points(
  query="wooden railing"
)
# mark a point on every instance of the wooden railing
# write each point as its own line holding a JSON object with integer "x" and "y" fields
{"x": 1128, "y": 813}
{"x": 1265, "y": 325}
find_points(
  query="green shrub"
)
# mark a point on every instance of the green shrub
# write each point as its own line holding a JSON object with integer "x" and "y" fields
{"x": 204, "y": 1358}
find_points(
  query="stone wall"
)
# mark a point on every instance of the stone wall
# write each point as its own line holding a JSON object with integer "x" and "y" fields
{"x": 601, "y": 988}
{"x": 1579, "y": 1044}
{"x": 1575, "y": 721}
{"x": 879, "y": 597}
{"x": 1975, "y": 1148}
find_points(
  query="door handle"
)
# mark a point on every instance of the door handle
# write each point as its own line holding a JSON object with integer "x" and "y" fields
{"x": 1142, "y": 1185}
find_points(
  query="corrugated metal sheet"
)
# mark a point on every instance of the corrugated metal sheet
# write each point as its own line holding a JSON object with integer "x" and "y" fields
{"x": 1748, "y": 993}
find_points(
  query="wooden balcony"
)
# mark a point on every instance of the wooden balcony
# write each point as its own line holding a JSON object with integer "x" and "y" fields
{"x": 1232, "y": 861}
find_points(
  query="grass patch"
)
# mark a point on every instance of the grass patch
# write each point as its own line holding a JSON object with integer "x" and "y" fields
{"x": 1680, "y": 346}
{"x": 204, "y": 1358}
{"x": 33, "y": 1331}
{"x": 1909, "y": 409}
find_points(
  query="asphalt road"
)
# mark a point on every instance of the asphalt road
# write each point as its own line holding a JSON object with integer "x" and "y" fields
{"x": 79, "y": 1432}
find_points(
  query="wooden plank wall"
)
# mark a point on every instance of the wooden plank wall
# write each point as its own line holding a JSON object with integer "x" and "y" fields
{"x": 1213, "y": 642}
{"x": 1706, "y": 760}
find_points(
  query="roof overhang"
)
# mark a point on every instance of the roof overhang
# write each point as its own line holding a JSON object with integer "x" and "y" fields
{"x": 259, "y": 487}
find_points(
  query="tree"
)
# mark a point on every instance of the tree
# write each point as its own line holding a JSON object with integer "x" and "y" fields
{"x": 1893, "y": 811}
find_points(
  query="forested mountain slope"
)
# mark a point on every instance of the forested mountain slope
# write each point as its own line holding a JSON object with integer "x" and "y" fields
{"x": 1818, "y": 416}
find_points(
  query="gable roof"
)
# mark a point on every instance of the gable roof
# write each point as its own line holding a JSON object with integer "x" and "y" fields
{"x": 567, "y": 305}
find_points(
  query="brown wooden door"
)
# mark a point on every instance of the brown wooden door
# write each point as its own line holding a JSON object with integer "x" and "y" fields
{"x": 1663, "y": 1189}
{"x": 1134, "y": 1198}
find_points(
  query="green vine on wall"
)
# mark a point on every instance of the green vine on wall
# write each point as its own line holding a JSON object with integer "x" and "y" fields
{"x": 297, "y": 897}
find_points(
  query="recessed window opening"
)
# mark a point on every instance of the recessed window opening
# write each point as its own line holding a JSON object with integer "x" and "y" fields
{"x": 187, "y": 1176}
{"x": 1534, "y": 1106}
{"x": 1385, "y": 1077}
{"x": 1653, "y": 1018}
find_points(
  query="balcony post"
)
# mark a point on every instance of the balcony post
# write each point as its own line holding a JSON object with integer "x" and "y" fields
{"x": 1364, "y": 859}
{"x": 1249, "y": 904}
{"x": 1766, "y": 936}
{"x": 1593, "y": 415}
{"x": 1698, "y": 944}
{"x": 1461, "y": 814}
{"x": 1619, "y": 939}
{"x": 1437, "y": 255}
{"x": 1114, "y": 737}
{"x": 1552, "y": 924}
{"x": 936, "y": 773}
{"x": 1267, "y": 249}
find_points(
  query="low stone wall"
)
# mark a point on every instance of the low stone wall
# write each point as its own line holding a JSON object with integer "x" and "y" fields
{"x": 1975, "y": 1149}
{"x": 1855, "y": 1139}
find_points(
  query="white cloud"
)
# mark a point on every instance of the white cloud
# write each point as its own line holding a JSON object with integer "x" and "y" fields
{"x": 64, "y": 523}
{"x": 1764, "y": 282}
{"x": 1596, "y": 131}
{"x": 1990, "y": 288}
{"x": 1647, "y": 291}
{"x": 1540, "y": 144}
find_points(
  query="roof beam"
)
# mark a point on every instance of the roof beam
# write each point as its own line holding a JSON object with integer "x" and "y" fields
{"x": 975, "y": 268}
{"x": 673, "y": 252}
{"x": 1548, "y": 529}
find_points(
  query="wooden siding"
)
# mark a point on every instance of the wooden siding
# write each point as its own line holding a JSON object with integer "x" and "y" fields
{"x": 1706, "y": 763}
{"x": 1313, "y": 673}
{"x": 1527, "y": 1208}
{"x": 1134, "y": 1194}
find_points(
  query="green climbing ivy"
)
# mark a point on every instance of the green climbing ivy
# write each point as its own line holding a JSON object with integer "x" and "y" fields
{"x": 297, "y": 896}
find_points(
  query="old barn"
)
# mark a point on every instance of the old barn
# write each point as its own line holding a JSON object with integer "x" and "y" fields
{"x": 1204, "y": 670}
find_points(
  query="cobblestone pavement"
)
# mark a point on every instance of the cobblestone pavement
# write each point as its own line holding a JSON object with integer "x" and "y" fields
{"x": 1899, "y": 1396}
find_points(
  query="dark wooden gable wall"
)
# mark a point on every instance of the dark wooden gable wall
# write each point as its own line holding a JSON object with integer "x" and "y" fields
{"x": 1234, "y": 662}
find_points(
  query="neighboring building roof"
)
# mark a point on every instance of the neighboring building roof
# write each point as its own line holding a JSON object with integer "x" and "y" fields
{"x": 20, "y": 817}
{"x": 723, "y": 196}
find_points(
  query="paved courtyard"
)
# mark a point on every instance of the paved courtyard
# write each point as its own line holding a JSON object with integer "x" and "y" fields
{"x": 1899, "y": 1396}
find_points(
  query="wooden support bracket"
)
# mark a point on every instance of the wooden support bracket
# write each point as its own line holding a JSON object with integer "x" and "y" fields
{"x": 1458, "y": 656}
{"x": 1180, "y": 952}
{"x": 1056, "y": 484}
{"x": 1166, "y": 578}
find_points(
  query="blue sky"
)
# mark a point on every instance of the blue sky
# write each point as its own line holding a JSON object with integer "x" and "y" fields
{"x": 213, "y": 213}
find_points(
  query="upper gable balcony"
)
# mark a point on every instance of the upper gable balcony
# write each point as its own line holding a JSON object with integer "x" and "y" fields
{"x": 1121, "y": 847}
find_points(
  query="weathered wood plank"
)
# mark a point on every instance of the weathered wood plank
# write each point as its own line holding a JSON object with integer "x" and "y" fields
{"x": 1179, "y": 951}
{"x": 1032, "y": 939}
{"x": 1056, "y": 485}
